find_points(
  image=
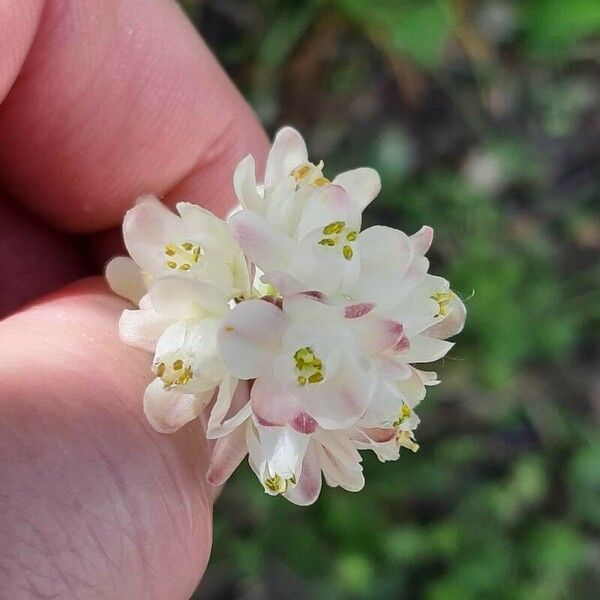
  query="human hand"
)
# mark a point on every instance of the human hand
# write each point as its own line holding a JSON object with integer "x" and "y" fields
{"x": 101, "y": 101}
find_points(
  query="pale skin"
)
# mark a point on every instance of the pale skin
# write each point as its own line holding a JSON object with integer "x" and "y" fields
{"x": 101, "y": 101}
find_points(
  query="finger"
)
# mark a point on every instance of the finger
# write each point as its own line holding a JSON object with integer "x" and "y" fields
{"x": 34, "y": 258}
{"x": 18, "y": 23}
{"x": 118, "y": 99}
{"x": 93, "y": 500}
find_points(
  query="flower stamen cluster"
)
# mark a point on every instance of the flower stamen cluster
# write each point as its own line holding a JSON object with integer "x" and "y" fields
{"x": 298, "y": 333}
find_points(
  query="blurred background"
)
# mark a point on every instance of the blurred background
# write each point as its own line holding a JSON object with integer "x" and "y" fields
{"x": 483, "y": 118}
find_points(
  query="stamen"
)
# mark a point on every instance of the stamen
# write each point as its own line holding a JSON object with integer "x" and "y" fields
{"x": 278, "y": 484}
{"x": 308, "y": 366}
{"x": 443, "y": 299}
{"x": 182, "y": 256}
{"x": 335, "y": 227}
{"x": 175, "y": 373}
{"x": 405, "y": 413}
{"x": 348, "y": 252}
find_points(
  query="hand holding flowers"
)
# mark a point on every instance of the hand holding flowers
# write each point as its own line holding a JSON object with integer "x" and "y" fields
{"x": 296, "y": 330}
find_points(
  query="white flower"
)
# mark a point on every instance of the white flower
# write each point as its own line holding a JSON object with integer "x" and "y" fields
{"x": 178, "y": 319}
{"x": 192, "y": 245}
{"x": 292, "y": 183}
{"x": 301, "y": 224}
{"x": 287, "y": 462}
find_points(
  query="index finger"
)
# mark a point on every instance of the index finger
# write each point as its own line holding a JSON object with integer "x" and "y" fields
{"x": 115, "y": 100}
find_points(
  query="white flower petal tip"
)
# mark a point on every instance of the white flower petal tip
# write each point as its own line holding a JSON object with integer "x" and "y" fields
{"x": 300, "y": 335}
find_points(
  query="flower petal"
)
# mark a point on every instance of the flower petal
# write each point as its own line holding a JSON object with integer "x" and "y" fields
{"x": 340, "y": 461}
{"x": 385, "y": 405}
{"x": 231, "y": 408}
{"x": 328, "y": 204}
{"x": 142, "y": 328}
{"x": 338, "y": 403}
{"x": 264, "y": 245}
{"x": 179, "y": 298}
{"x": 362, "y": 185}
{"x": 452, "y": 324}
{"x": 385, "y": 255}
{"x": 167, "y": 411}
{"x": 228, "y": 453}
{"x": 425, "y": 349}
{"x": 283, "y": 450}
{"x": 421, "y": 240}
{"x": 125, "y": 278}
{"x": 249, "y": 337}
{"x": 272, "y": 404}
{"x": 287, "y": 152}
{"x": 147, "y": 228}
{"x": 244, "y": 183}
{"x": 308, "y": 487}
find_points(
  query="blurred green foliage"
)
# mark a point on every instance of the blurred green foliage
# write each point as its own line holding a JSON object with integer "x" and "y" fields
{"x": 482, "y": 117}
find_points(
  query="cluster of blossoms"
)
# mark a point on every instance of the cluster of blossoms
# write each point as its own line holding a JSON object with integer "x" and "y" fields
{"x": 295, "y": 330}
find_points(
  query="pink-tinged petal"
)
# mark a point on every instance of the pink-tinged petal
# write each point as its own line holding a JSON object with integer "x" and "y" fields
{"x": 338, "y": 403}
{"x": 249, "y": 337}
{"x": 304, "y": 423}
{"x": 328, "y": 204}
{"x": 125, "y": 278}
{"x": 244, "y": 184}
{"x": 452, "y": 324}
{"x": 362, "y": 185}
{"x": 228, "y": 453}
{"x": 231, "y": 408}
{"x": 421, "y": 241}
{"x": 147, "y": 228}
{"x": 340, "y": 462}
{"x": 392, "y": 367}
{"x": 179, "y": 298}
{"x": 380, "y": 435}
{"x": 377, "y": 334}
{"x": 354, "y": 311}
{"x": 425, "y": 349}
{"x": 385, "y": 256}
{"x": 308, "y": 487}
{"x": 264, "y": 245}
{"x": 142, "y": 328}
{"x": 285, "y": 284}
{"x": 287, "y": 152}
{"x": 168, "y": 410}
{"x": 272, "y": 404}
{"x": 380, "y": 441}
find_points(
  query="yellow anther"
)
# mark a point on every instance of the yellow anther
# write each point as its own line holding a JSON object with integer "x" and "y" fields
{"x": 351, "y": 236}
{"x": 443, "y": 299}
{"x": 277, "y": 484}
{"x": 321, "y": 181}
{"x": 348, "y": 252}
{"x": 175, "y": 373}
{"x": 405, "y": 413}
{"x": 308, "y": 366}
{"x": 301, "y": 172}
{"x": 182, "y": 256}
{"x": 327, "y": 242}
{"x": 335, "y": 227}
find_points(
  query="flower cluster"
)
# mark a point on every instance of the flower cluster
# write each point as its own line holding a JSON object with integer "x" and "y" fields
{"x": 295, "y": 330}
